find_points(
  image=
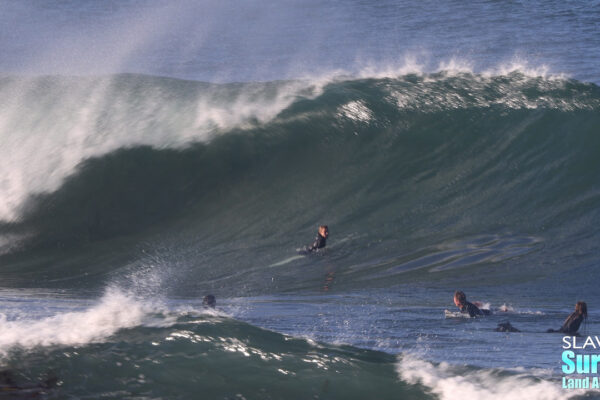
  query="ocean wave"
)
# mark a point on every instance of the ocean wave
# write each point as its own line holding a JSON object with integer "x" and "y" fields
{"x": 470, "y": 169}
{"x": 183, "y": 350}
{"x": 113, "y": 312}
{"x": 69, "y": 120}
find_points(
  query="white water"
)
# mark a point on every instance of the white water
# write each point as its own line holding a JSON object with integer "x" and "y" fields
{"x": 451, "y": 382}
{"x": 113, "y": 312}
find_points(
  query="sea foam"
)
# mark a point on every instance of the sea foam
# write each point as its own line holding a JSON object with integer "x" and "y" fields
{"x": 451, "y": 382}
{"x": 114, "y": 311}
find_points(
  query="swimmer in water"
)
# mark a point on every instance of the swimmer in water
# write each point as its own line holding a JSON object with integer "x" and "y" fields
{"x": 320, "y": 240}
{"x": 460, "y": 299}
{"x": 209, "y": 301}
{"x": 506, "y": 327}
{"x": 573, "y": 321}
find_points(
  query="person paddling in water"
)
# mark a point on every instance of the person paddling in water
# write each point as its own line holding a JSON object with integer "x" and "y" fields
{"x": 320, "y": 240}
{"x": 209, "y": 301}
{"x": 573, "y": 321}
{"x": 460, "y": 299}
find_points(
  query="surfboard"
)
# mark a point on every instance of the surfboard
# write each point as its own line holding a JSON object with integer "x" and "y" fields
{"x": 455, "y": 314}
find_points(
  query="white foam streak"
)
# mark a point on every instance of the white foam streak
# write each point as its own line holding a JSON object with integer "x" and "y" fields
{"x": 450, "y": 382}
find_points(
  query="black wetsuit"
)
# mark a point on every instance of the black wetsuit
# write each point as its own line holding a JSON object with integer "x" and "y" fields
{"x": 473, "y": 310}
{"x": 319, "y": 243}
{"x": 572, "y": 323}
{"x": 506, "y": 327}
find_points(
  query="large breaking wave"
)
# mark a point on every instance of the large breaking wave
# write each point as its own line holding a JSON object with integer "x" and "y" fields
{"x": 453, "y": 169}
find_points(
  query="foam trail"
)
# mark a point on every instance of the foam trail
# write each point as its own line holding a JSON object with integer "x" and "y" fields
{"x": 455, "y": 383}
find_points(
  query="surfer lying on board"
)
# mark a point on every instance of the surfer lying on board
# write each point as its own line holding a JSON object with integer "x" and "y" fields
{"x": 573, "y": 321}
{"x": 460, "y": 299}
{"x": 319, "y": 242}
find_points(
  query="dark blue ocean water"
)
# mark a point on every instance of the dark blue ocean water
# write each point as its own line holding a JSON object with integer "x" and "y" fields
{"x": 253, "y": 40}
{"x": 154, "y": 152}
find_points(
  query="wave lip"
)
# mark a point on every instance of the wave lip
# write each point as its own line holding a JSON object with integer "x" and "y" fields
{"x": 51, "y": 124}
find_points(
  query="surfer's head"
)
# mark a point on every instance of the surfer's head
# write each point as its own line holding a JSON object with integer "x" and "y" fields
{"x": 209, "y": 300}
{"x": 460, "y": 298}
{"x": 581, "y": 308}
{"x": 324, "y": 231}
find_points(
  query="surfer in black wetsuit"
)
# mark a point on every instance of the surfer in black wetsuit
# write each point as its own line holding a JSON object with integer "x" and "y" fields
{"x": 209, "y": 301}
{"x": 320, "y": 240}
{"x": 460, "y": 299}
{"x": 573, "y": 321}
{"x": 506, "y": 327}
